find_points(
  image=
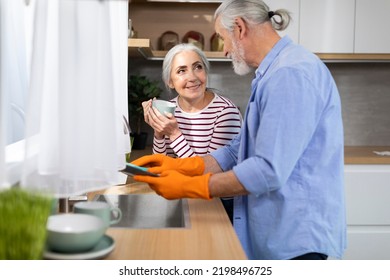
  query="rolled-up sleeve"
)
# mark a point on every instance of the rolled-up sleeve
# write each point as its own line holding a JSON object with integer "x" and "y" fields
{"x": 227, "y": 156}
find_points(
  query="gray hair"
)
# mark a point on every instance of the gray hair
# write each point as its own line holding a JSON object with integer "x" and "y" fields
{"x": 252, "y": 12}
{"x": 167, "y": 63}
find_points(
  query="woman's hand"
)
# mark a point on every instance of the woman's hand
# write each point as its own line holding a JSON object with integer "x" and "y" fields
{"x": 147, "y": 105}
{"x": 162, "y": 124}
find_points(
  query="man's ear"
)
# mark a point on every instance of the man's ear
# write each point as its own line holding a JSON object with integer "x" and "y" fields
{"x": 241, "y": 26}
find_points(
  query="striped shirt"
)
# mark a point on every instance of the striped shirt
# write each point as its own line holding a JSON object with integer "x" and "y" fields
{"x": 202, "y": 132}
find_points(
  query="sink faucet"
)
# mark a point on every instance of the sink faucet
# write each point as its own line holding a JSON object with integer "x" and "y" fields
{"x": 65, "y": 205}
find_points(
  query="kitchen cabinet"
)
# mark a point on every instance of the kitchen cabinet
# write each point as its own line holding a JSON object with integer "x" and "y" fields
{"x": 372, "y": 26}
{"x": 367, "y": 187}
{"x": 175, "y": 17}
{"x": 151, "y": 20}
{"x": 327, "y": 26}
{"x": 349, "y": 26}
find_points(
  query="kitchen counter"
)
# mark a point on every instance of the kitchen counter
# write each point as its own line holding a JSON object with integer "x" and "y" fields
{"x": 210, "y": 235}
{"x": 352, "y": 154}
{"x": 365, "y": 155}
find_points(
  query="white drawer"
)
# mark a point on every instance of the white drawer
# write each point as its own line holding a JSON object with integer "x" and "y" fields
{"x": 368, "y": 243}
{"x": 367, "y": 194}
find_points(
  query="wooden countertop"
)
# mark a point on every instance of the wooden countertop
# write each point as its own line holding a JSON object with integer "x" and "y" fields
{"x": 209, "y": 237}
{"x": 365, "y": 155}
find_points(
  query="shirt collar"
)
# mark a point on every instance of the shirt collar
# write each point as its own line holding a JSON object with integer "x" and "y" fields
{"x": 270, "y": 57}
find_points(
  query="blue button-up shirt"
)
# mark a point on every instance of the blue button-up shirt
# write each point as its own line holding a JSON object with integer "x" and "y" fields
{"x": 289, "y": 156}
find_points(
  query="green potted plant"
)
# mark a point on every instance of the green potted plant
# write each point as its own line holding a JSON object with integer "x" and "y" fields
{"x": 140, "y": 89}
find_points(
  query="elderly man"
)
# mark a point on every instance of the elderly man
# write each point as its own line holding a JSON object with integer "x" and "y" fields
{"x": 285, "y": 168}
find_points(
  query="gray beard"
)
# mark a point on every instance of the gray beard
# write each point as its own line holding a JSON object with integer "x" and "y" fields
{"x": 239, "y": 65}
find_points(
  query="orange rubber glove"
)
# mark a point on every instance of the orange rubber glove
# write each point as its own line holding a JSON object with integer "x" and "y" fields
{"x": 173, "y": 185}
{"x": 158, "y": 163}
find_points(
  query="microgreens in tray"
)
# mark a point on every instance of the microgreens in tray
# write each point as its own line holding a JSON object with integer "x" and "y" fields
{"x": 23, "y": 218}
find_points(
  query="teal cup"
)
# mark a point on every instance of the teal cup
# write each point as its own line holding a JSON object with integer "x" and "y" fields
{"x": 109, "y": 214}
{"x": 164, "y": 106}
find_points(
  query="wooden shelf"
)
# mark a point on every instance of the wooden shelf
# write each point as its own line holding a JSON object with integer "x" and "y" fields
{"x": 142, "y": 47}
{"x": 138, "y": 47}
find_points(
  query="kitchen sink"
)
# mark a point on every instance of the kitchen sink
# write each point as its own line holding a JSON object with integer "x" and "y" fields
{"x": 148, "y": 211}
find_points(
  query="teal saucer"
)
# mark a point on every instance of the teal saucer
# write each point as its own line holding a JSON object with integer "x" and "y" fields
{"x": 102, "y": 249}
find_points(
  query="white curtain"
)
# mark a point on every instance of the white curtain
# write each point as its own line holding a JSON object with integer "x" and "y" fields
{"x": 13, "y": 61}
{"x": 77, "y": 96}
{"x": 13, "y": 79}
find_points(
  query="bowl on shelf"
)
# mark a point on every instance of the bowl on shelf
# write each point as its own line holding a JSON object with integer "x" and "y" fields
{"x": 73, "y": 233}
{"x": 194, "y": 37}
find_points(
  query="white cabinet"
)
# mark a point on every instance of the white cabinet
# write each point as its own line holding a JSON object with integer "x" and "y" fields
{"x": 327, "y": 26}
{"x": 372, "y": 26}
{"x": 293, "y": 7}
{"x": 334, "y": 29}
{"x": 368, "y": 211}
{"x": 346, "y": 26}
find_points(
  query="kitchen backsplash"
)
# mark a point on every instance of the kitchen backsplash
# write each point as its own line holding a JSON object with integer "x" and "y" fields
{"x": 364, "y": 89}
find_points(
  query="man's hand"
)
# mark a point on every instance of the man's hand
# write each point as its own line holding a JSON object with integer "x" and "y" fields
{"x": 158, "y": 163}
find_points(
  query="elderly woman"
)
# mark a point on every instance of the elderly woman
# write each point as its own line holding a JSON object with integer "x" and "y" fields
{"x": 203, "y": 120}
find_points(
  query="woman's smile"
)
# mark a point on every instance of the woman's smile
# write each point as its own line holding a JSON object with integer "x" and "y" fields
{"x": 193, "y": 87}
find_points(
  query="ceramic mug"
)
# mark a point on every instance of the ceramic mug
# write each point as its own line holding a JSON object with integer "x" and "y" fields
{"x": 110, "y": 215}
{"x": 164, "y": 106}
